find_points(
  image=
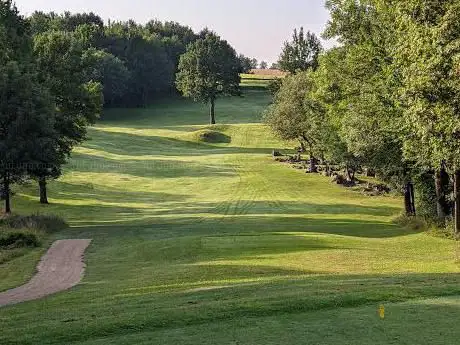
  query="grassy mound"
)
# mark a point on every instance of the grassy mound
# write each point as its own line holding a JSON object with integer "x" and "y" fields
{"x": 211, "y": 136}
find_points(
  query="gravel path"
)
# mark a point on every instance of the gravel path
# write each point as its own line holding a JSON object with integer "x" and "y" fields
{"x": 61, "y": 268}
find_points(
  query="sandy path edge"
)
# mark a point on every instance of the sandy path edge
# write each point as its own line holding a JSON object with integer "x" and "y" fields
{"x": 61, "y": 268}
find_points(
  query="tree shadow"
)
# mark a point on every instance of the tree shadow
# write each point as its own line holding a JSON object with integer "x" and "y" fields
{"x": 153, "y": 168}
{"x": 177, "y": 111}
{"x": 141, "y": 145}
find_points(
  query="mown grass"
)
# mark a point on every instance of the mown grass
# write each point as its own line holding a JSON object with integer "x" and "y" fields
{"x": 256, "y": 80}
{"x": 215, "y": 243}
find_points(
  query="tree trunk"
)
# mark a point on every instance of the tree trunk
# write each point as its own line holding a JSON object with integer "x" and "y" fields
{"x": 6, "y": 190}
{"x": 370, "y": 172}
{"x": 43, "y": 194}
{"x": 313, "y": 168}
{"x": 350, "y": 175}
{"x": 302, "y": 146}
{"x": 212, "y": 112}
{"x": 442, "y": 187}
{"x": 457, "y": 202}
{"x": 409, "y": 200}
{"x": 412, "y": 199}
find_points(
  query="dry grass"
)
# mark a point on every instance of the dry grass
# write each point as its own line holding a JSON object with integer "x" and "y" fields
{"x": 270, "y": 72}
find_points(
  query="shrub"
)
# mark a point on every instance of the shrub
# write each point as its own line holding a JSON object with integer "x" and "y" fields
{"x": 10, "y": 239}
{"x": 413, "y": 223}
{"x": 37, "y": 222}
{"x": 211, "y": 136}
{"x": 425, "y": 194}
{"x": 274, "y": 86}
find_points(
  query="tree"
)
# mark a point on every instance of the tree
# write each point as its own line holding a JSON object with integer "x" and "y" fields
{"x": 26, "y": 109}
{"x": 263, "y": 65}
{"x": 26, "y": 115}
{"x": 427, "y": 57}
{"x": 246, "y": 63}
{"x": 297, "y": 115}
{"x": 108, "y": 70}
{"x": 254, "y": 63}
{"x": 208, "y": 69}
{"x": 61, "y": 67}
{"x": 145, "y": 56}
{"x": 301, "y": 54}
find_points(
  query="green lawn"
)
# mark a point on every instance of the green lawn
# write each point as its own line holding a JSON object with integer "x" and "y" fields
{"x": 197, "y": 243}
{"x": 256, "y": 80}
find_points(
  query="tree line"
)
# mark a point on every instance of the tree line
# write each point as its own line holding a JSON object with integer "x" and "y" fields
{"x": 57, "y": 72}
{"x": 387, "y": 98}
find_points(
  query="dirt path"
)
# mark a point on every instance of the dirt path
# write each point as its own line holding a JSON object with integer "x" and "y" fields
{"x": 61, "y": 268}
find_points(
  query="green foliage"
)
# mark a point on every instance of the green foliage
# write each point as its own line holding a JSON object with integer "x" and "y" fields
{"x": 110, "y": 72}
{"x": 208, "y": 69}
{"x": 297, "y": 115}
{"x": 18, "y": 238}
{"x": 145, "y": 57}
{"x": 359, "y": 85}
{"x": 301, "y": 54}
{"x": 427, "y": 58}
{"x": 425, "y": 195}
{"x": 211, "y": 136}
{"x": 275, "y": 85}
{"x": 14, "y": 34}
{"x": 26, "y": 115}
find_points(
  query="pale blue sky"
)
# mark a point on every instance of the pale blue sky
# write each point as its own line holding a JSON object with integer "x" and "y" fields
{"x": 256, "y": 28}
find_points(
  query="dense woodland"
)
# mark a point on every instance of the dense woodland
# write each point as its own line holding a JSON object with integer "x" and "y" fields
{"x": 386, "y": 98}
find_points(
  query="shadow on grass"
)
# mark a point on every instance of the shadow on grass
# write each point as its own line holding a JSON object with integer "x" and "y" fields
{"x": 155, "y": 168}
{"x": 138, "y": 222}
{"x": 147, "y": 309}
{"x": 141, "y": 145}
{"x": 177, "y": 111}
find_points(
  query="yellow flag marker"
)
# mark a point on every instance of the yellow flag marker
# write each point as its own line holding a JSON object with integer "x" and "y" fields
{"x": 382, "y": 311}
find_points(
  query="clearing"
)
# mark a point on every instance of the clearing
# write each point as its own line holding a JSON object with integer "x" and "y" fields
{"x": 212, "y": 242}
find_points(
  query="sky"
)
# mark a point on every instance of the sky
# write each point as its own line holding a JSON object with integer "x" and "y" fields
{"x": 255, "y": 28}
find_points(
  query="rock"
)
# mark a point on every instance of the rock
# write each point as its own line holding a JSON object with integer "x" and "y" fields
{"x": 276, "y": 153}
{"x": 339, "y": 179}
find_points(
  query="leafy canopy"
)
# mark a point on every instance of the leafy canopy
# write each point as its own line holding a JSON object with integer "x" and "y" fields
{"x": 209, "y": 68}
{"x": 301, "y": 54}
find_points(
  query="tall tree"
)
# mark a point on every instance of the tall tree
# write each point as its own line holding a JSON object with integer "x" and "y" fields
{"x": 26, "y": 110}
{"x": 297, "y": 115}
{"x": 300, "y": 54}
{"x": 263, "y": 65}
{"x": 209, "y": 68}
{"x": 246, "y": 63}
{"x": 61, "y": 67}
{"x": 427, "y": 57}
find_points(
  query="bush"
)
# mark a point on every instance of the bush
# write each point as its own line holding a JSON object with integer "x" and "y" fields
{"x": 274, "y": 86}
{"x": 43, "y": 223}
{"x": 10, "y": 239}
{"x": 413, "y": 223}
{"x": 425, "y": 194}
{"x": 211, "y": 136}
